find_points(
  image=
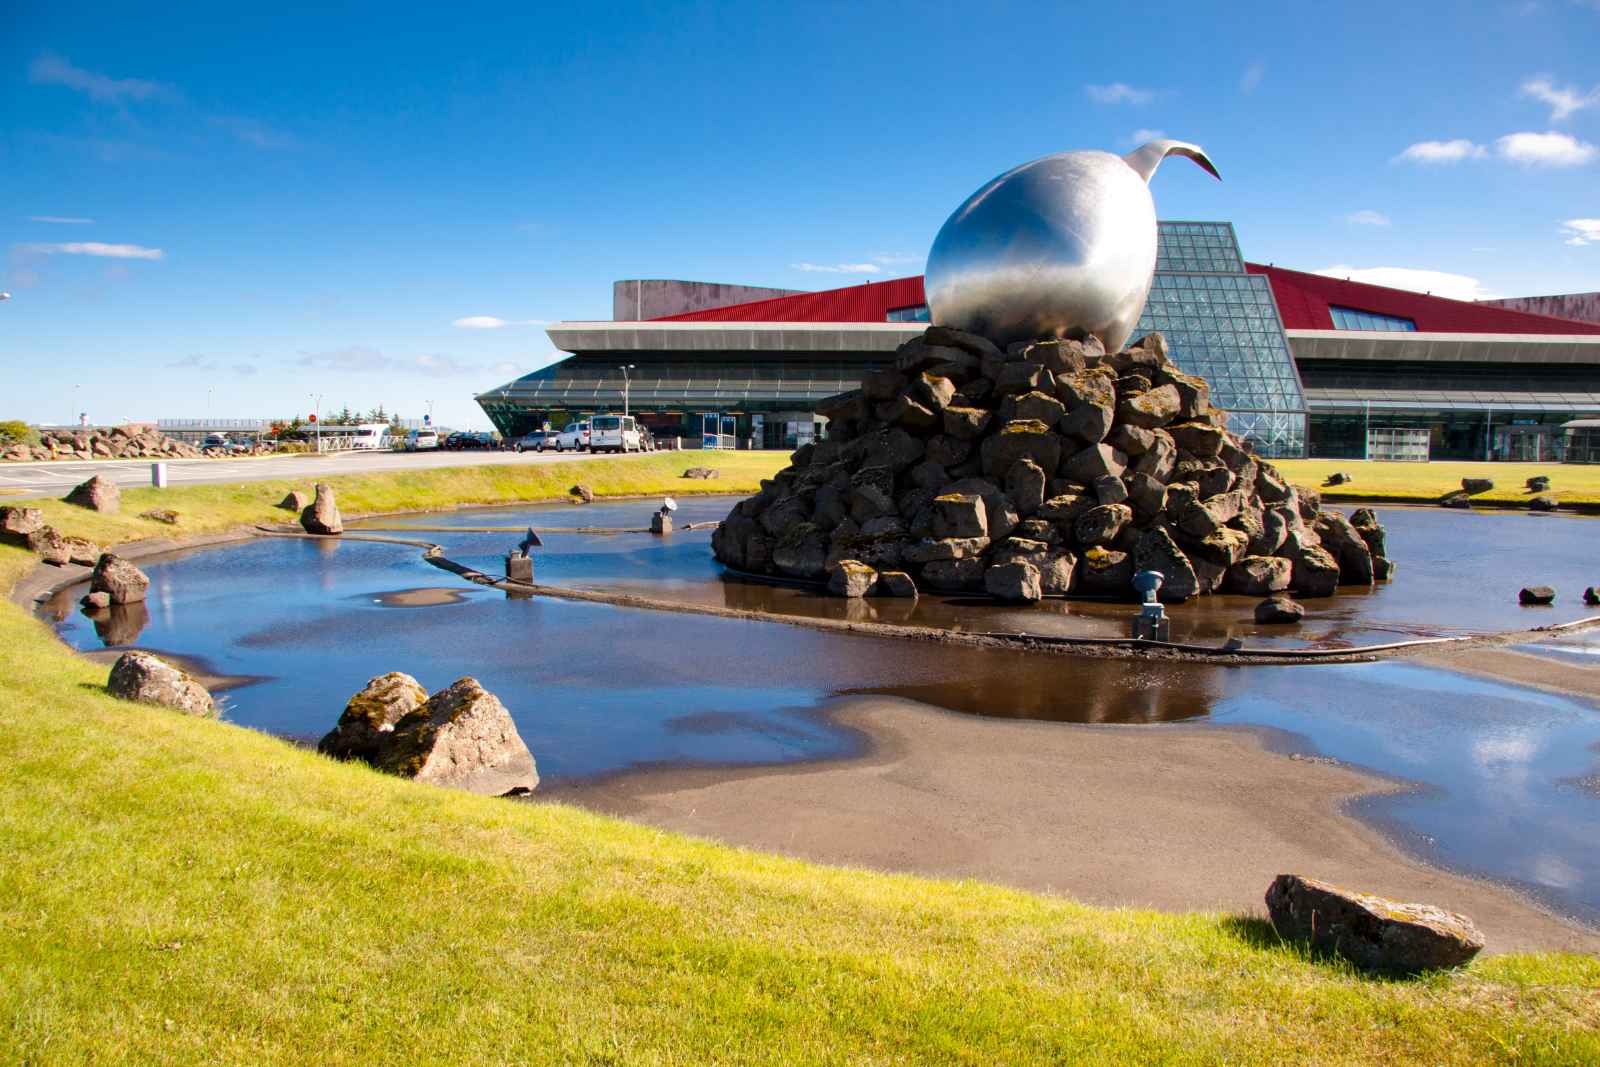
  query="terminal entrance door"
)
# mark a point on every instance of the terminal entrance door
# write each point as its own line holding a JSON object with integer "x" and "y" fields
{"x": 718, "y": 430}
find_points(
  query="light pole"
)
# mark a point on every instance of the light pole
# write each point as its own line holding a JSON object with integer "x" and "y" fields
{"x": 316, "y": 421}
{"x": 626, "y": 382}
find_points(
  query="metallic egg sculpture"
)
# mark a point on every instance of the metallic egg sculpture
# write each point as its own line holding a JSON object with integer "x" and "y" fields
{"x": 1064, "y": 246}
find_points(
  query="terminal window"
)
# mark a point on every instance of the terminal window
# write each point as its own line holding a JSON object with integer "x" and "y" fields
{"x": 918, "y": 313}
{"x": 1356, "y": 319}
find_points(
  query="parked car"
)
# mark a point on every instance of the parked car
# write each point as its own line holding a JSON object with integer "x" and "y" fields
{"x": 537, "y": 441}
{"x": 614, "y": 433}
{"x": 575, "y": 438}
{"x": 422, "y": 440}
{"x": 214, "y": 440}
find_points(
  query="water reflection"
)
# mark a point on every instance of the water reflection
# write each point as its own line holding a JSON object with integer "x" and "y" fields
{"x": 596, "y": 689}
{"x": 120, "y": 624}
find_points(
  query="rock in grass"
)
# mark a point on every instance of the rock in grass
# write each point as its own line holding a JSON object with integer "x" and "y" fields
{"x": 1455, "y": 499}
{"x": 1536, "y": 594}
{"x": 462, "y": 738}
{"x": 119, "y": 579}
{"x": 16, "y": 523}
{"x": 54, "y": 547}
{"x": 148, "y": 679}
{"x": 294, "y": 501}
{"x": 1279, "y": 609}
{"x": 368, "y": 721}
{"x": 321, "y": 516}
{"x": 1474, "y": 486}
{"x": 581, "y": 494}
{"x": 97, "y": 494}
{"x": 1543, "y": 502}
{"x": 165, "y": 516}
{"x": 702, "y": 472}
{"x": 1370, "y": 931}
{"x": 1539, "y": 483}
{"x": 1337, "y": 478}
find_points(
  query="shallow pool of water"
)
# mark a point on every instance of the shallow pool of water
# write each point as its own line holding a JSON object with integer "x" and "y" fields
{"x": 597, "y": 690}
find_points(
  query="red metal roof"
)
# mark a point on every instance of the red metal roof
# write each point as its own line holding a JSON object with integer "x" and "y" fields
{"x": 1303, "y": 300}
{"x": 871, "y": 302}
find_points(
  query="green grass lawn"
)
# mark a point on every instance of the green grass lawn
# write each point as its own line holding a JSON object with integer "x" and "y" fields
{"x": 206, "y": 509}
{"x": 183, "y": 891}
{"x": 1569, "y": 483}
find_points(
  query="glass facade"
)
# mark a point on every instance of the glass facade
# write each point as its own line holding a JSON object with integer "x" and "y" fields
{"x": 915, "y": 313}
{"x": 1223, "y": 325}
{"x": 1356, "y": 319}
{"x": 1220, "y": 323}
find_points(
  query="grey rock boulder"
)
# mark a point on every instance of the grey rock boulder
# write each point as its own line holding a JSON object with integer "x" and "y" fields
{"x": 294, "y": 501}
{"x": 1373, "y": 932}
{"x": 147, "y": 679}
{"x": 1278, "y": 610}
{"x": 368, "y": 720}
{"x": 16, "y": 523}
{"x": 1536, "y": 595}
{"x": 321, "y": 516}
{"x": 1016, "y": 581}
{"x": 462, "y": 738}
{"x": 97, "y": 494}
{"x": 117, "y": 578}
{"x": 1474, "y": 486}
{"x": 852, "y": 578}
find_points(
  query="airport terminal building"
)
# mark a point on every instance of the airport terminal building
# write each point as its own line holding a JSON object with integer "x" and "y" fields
{"x": 1303, "y": 363}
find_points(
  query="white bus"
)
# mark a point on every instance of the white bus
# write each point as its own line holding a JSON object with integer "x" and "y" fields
{"x": 359, "y": 436}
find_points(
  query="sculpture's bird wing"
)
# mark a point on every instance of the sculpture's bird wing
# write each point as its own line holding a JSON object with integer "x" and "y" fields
{"x": 1146, "y": 159}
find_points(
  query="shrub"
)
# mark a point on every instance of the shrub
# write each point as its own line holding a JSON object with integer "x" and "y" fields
{"x": 15, "y": 431}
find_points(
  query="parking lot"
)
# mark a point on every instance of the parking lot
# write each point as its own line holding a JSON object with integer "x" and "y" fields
{"x": 55, "y": 478}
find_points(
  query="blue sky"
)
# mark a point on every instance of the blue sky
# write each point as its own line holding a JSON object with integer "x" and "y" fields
{"x": 207, "y": 207}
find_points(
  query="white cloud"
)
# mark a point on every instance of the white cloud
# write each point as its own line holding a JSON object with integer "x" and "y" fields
{"x": 63, "y": 220}
{"x": 1145, "y": 136}
{"x": 1119, "y": 93}
{"x": 1581, "y": 231}
{"x": 1563, "y": 101}
{"x": 95, "y": 248}
{"x": 1441, "y": 152}
{"x": 1549, "y": 149}
{"x": 838, "y": 268}
{"x": 1438, "y": 283}
{"x": 53, "y": 70}
{"x": 252, "y": 132}
{"x": 490, "y": 322}
{"x": 1250, "y": 80}
{"x": 1367, "y": 217}
{"x": 891, "y": 259}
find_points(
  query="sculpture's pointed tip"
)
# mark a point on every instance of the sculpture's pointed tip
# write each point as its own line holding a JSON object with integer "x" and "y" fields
{"x": 1146, "y": 158}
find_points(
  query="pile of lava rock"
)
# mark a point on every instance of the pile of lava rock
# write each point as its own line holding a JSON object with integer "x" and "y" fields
{"x": 1048, "y": 469}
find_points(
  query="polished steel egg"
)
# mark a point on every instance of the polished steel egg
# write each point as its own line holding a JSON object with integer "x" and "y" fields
{"x": 1064, "y": 246}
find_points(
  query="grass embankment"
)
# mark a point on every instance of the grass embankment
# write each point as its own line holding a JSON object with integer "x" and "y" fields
{"x": 185, "y": 891}
{"x": 1426, "y": 482}
{"x": 205, "y": 509}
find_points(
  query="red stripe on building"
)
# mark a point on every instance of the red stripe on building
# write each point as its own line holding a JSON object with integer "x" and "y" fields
{"x": 854, "y": 303}
{"x": 1304, "y": 299}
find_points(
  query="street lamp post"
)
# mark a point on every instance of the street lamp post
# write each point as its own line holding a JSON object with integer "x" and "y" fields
{"x": 316, "y": 410}
{"x": 627, "y": 381}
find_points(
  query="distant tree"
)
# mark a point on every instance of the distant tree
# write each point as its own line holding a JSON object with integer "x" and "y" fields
{"x": 15, "y": 431}
{"x": 377, "y": 414}
{"x": 345, "y": 416}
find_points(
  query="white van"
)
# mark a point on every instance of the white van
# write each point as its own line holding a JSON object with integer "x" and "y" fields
{"x": 575, "y": 438}
{"x": 614, "y": 433}
{"x": 421, "y": 440}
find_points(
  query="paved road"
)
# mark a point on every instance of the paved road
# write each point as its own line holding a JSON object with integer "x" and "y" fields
{"x": 55, "y": 478}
